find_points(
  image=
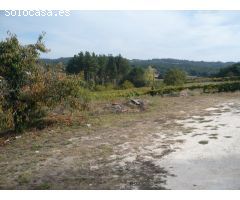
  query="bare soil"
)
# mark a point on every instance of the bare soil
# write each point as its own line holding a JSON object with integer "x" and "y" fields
{"x": 111, "y": 151}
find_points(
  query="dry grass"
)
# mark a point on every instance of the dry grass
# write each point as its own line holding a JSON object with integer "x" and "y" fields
{"x": 90, "y": 157}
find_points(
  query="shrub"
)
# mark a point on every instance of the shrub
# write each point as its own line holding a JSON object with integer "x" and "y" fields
{"x": 210, "y": 88}
{"x": 109, "y": 86}
{"x": 150, "y": 76}
{"x": 137, "y": 77}
{"x": 29, "y": 90}
{"x": 175, "y": 77}
{"x": 127, "y": 85}
{"x": 100, "y": 88}
{"x": 231, "y": 71}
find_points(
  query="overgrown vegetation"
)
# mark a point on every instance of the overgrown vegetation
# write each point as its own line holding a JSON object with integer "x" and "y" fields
{"x": 232, "y": 71}
{"x": 102, "y": 70}
{"x": 209, "y": 88}
{"x": 28, "y": 90}
{"x": 175, "y": 77}
{"x": 193, "y": 68}
{"x": 99, "y": 69}
{"x": 31, "y": 90}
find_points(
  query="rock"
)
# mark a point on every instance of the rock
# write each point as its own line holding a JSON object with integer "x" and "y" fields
{"x": 119, "y": 108}
{"x": 184, "y": 93}
{"x": 6, "y": 141}
{"x": 135, "y": 101}
{"x": 140, "y": 103}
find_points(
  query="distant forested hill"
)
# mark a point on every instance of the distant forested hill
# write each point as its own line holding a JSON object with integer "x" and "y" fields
{"x": 233, "y": 70}
{"x": 64, "y": 61}
{"x": 193, "y": 68}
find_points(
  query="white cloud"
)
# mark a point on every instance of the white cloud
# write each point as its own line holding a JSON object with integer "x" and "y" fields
{"x": 195, "y": 35}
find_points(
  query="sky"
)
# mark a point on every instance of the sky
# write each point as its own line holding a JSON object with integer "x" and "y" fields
{"x": 191, "y": 35}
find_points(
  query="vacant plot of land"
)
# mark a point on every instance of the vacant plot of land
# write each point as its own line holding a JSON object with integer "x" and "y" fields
{"x": 209, "y": 159}
{"x": 130, "y": 150}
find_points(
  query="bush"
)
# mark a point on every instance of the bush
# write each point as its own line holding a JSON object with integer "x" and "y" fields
{"x": 137, "y": 77}
{"x": 28, "y": 90}
{"x": 100, "y": 88}
{"x": 210, "y": 88}
{"x": 109, "y": 86}
{"x": 230, "y": 71}
{"x": 158, "y": 85}
{"x": 127, "y": 85}
{"x": 175, "y": 77}
{"x": 150, "y": 76}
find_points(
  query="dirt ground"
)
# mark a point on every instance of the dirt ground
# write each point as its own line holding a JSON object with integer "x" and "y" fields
{"x": 111, "y": 151}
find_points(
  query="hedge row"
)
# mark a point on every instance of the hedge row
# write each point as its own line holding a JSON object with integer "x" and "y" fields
{"x": 215, "y": 79}
{"x": 210, "y": 88}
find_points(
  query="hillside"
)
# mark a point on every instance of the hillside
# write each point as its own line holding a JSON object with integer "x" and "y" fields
{"x": 56, "y": 61}
{"x": 193, "y": 68}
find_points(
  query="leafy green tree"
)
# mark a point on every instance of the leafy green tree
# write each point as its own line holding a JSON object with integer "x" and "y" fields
{"x": 127, "y": 85}
{"x": 28, "y": 89}
{"x": 73, "y": 66}
{"x": 122, "y": 66}
{"x": 175, "y": 77}
{"x": 150, "y": 75}
{"x": 231, "y": 71}
{"x": 99, "y": 69}
{"x": 136, "y": 76}
{"x": 93, "y": 68}
{"x": 111, "y": 70}
{"x": 101, "y": 73}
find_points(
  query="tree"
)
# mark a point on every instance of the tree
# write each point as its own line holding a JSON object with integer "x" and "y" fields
{"x": 29, "y": 90}
{"x": 150, "y": 75}
{"x": 99, "y": 69}
{"x": 127, "y": 85}
{"x": 175, "y": 77}
{"x": 101, "y": 73}
{"x": 122, "y": 66}
{"x": 136, "y": 76}
{"x": 73, "y": 66}
{"x": 231, "y": 71}
{"x": 111, "y": 70}
{"x": 18, "y": 64}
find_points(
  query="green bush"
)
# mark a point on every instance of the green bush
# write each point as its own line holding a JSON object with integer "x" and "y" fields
{"x": 100, "y": 88}
{"x": 28, "y": 90}
{"x": 175, "y": 77}
{"x": 127, "y": 85}
{"x": 137, "y": 77}
{"x": 109, "y": 86}
{"x": 210, "y": 88}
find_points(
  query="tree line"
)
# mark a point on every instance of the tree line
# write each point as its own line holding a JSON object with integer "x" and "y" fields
{"x": 99, "y": 69}
{"x": 102, "y": 70}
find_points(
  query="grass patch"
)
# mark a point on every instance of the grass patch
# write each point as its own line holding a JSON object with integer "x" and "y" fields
{"x": 214, "y": 128}
{"x": 203, "y": 142}
{"x": 213, "y": 137}
{"x": 43, "y": 186}
{"x": 35, "y": 147}
{"x": 227, "y": 136}
{"x": 23, "y": 179}
{"x": 205, "y": 121}
{"x": 198, "y": 134}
